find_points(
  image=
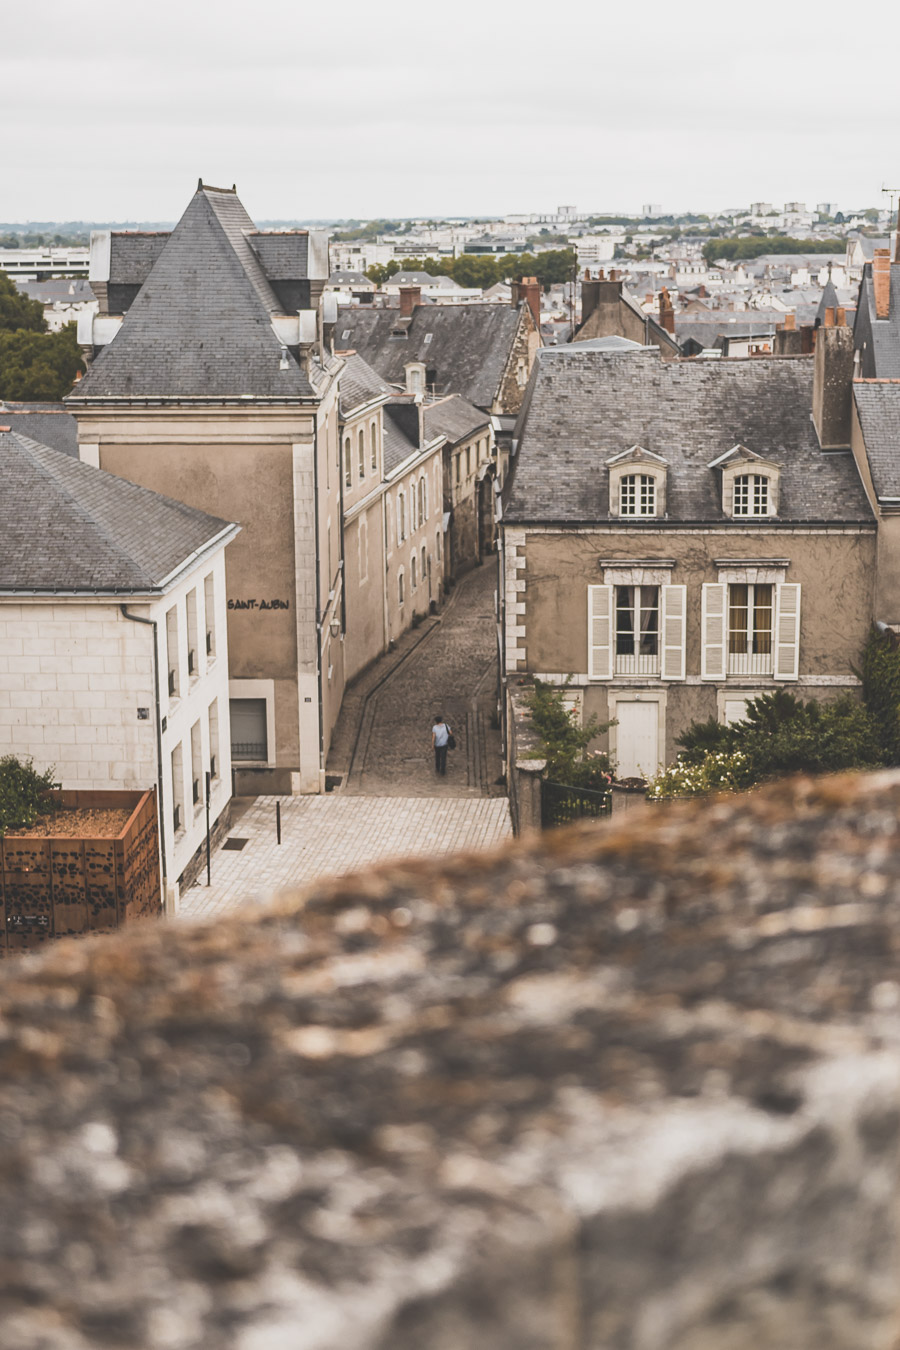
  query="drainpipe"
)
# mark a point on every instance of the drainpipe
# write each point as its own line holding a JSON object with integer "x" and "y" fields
{"x": 318, "y": 604}
{"x": 137, "y": 618}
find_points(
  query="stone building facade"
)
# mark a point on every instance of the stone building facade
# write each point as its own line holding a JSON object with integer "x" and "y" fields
{"x": 676, "y": 542}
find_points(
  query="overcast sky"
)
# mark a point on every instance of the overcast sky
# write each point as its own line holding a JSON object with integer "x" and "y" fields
{"x": 356, "y": 109}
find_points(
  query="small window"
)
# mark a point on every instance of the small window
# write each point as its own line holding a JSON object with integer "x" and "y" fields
{"x": 412, "y": 572}
{"x": 362, "y": 453}
{"x": 373, "y": 442}
{"x": 750, "y": 615}
{"x": 751, "y": 495}
{"x": 345, "y": 335}
{"x": 428, "y": 337}
{"x": 637, "y": 495}
{"x": 401, "y": 517}
{"x": 214, "y": 739}
{"x": 348, "y": 469}
{"x": 249, "y": 738}
{"x": 209, "y": 606}
{"x": 400, "y": 588}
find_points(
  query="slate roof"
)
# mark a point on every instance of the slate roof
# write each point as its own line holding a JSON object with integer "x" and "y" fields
{"x": 829, "y": 300}
{"x": 878, "y": 340}
{"x": 132, "y": 255}
{"x": 583, "y": 406}
{"x": 878, "y": 406}
{"x": 67, "y": 527}
{"x": 284, "y": 255}
{"x": 397, "y": 445}
{"x": 359, "y": 384}
{"x": 56, "y": 290}
{"x": 468, "y": 351}
{"x": 50, "y": 423}
{"x": 455, "y": 418}
{"x": 200, "y": 327}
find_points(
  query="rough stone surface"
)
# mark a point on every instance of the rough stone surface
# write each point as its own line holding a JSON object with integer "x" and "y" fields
{"x": 613, "y": 1089}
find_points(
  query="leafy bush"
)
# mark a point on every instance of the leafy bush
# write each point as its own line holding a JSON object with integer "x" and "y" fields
{"x": 564, "y": 743}
{"x": 781, "y": 734}
{"x": 24, "y": 793}
{"x": 880, "y": 675}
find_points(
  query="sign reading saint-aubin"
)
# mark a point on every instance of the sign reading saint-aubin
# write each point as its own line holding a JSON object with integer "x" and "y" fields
{"x": 259, "y": 604}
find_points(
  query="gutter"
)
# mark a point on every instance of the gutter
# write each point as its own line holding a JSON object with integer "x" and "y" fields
{"x": 137, "y": 618}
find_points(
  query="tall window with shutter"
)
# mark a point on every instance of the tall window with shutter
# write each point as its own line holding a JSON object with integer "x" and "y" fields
{"x": 636, "y": 629}
{"x": 750, "y": 628}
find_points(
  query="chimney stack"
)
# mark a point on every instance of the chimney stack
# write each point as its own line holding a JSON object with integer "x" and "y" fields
{"x": 833, "y": 382}
{"x": 881, "y": 281}
{"x": 528, "y": 289}
{"x": 410, "y": 296}
{"x": 788, "y": 337}
{"x": 790, "y": 321}
{"x": 666, "y": 311}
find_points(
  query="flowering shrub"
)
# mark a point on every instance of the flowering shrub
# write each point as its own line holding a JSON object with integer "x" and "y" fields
{"x": 717, "y": 771}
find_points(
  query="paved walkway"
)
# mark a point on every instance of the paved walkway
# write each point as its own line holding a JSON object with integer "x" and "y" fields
{"x": 451, "y": 668}
{"x": 333, "y": 835}
{"x": 388, "y": 803}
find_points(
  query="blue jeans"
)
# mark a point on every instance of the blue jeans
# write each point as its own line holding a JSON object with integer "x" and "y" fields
{"x": 440, "y": 758}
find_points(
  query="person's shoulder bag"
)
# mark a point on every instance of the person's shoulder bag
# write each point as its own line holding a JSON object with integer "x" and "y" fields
{"x": 451, "y": 740}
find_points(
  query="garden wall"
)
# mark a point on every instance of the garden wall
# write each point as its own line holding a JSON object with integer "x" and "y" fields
{"x": 71, "y": 886}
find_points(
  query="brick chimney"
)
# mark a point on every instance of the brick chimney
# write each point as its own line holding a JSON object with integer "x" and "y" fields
{"x": 410, "y": 296}
{"x": 666, "y": 311}
{"x": 787, "y": 337}
{"x": 832, "y": 383}
{"x": 881, "y": 281}
{"x": 528, "y": 289}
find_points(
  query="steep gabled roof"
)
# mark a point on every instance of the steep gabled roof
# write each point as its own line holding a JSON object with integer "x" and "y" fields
{"x": 878, "y": 406}
{"x": 455, "y": 418}
{"x": 467, "y": 346}
{"x": 359, "y": 384}
{"x": 50, "y": 423}
{"x": 201, "y": 325}
{"x": 585, "y": 406}
{"x": 67, "y": 527}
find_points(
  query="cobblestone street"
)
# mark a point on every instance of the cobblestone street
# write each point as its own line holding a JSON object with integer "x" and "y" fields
{"x": 389, "y": 803}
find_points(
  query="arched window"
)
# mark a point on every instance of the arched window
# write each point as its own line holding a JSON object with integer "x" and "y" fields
{"x": 437, "y": 546}
{"x": 348, "y": 467}
{"x": 751, "y": 495}
{"x": 424, "y": 565}
{"x": 412, "y": 572}
{"x": 400, "y": 589}
{"x": 401, "y": 517}
{"x": 362, "y": 452}
{"x": 373, "y": 444}
{"x": 637, "y": 495}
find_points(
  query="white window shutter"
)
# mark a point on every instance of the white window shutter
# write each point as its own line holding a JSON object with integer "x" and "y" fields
{"x": 674, "y": 614}
{"x": 714, "y": 628}
{"x": 787, "y": 632}
{"x": 599, "y": 632}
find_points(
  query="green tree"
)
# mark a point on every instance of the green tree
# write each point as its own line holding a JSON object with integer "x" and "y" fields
{"x": 40, "y": 366}
{"x": 17, "y": 311}
{"x": 473, "y": 269}
{"x": 879, "y": 675}
{"x": 564, "y": 743}
{"x": 755, "y": 247}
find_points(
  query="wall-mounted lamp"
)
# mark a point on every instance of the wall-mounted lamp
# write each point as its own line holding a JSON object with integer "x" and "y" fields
{"x": 335, "y": 628}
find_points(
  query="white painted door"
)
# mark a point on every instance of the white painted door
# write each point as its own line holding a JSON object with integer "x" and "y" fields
{"x": 637, "y": 739}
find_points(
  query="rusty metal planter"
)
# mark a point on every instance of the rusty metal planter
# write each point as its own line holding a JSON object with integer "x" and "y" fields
{"x": 71, "y": 886}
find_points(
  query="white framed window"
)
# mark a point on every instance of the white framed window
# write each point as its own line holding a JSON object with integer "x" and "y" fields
{"x": 750, "y": 495}
{"x": 193, "y": 636}
{"x": 637, "y": 483}
{"x": 750, "y": 626}
{"x": 348, "y": 466}
{"x": 637, "y": 495}
{"x": 172, "y": 653}
{"x": 373, "y": 445}
{"x": 214, "y": 761}
{"x": 401, "y": 589}
{"x": 361, "y": 441}
{"x": 636, "y": 626}
{"x": 177, "y": 770}
{"x": 197, "y": 785}
{"x": 751, "y": 617}
{"x": 209, "y": 605}
{"x": 637, "y": 630}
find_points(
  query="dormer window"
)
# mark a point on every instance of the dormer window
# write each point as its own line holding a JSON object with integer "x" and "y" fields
{"x": 750, "y": 484}
{"x": 637, "y": 484}
{"x": 637, "y": 495}
{"x": 751, "y": 495}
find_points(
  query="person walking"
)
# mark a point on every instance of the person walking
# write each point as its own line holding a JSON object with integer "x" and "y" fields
{"x": 440, "y": 735}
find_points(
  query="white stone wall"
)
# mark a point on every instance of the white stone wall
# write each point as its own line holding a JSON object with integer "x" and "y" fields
{"x": 72, "y": 677}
